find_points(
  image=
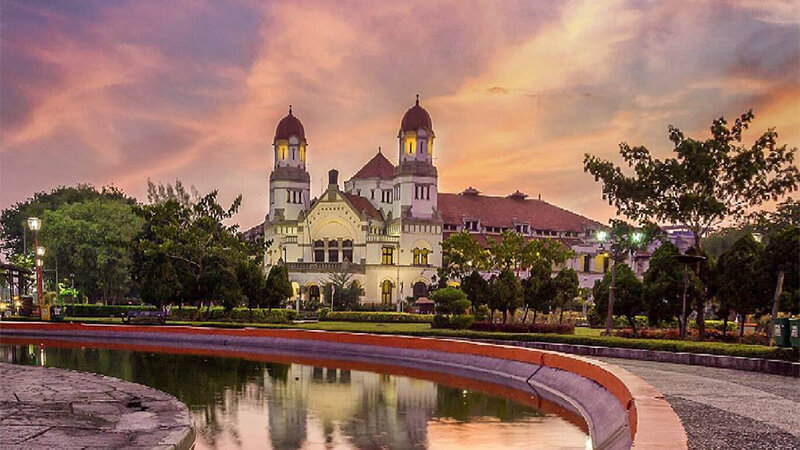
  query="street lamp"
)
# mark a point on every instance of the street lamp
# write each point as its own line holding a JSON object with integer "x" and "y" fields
{"x": 619, "y": 241}
{"x": 35, "y": 224}
{"x": 687, "y": 259}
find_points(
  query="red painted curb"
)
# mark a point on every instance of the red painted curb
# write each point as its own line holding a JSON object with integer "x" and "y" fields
{"x": 653, "y": 422}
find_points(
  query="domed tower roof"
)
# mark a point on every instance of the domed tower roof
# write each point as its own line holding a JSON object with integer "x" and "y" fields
{"x": 289, "y": 126}
{"x": 415, "y": 118}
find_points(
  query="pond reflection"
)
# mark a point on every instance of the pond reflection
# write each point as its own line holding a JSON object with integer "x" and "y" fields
{"x": 242, "y": 404}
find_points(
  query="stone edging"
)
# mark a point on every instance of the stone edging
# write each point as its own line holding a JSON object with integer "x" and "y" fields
{"x": 651, "y": 421}
{"x": 774, "y": 366}
{"x": 45, "y": 407}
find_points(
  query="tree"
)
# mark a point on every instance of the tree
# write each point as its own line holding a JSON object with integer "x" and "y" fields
{"x": 189, "y": 253}
{"x": 347, "y": 292}
{"x": 664, "y": 284}
{"x": 782, "y": 255}
{"x": 451, "y": 301}
{"x": 461, "y": 255}
{"x": 566, "y": 286}
{"x": 538, "y": 290}
{"x": 13, "y": 220}
{"x": 161, "y": 193}
{"x": 628, "y": 294}
{"x": 769, "y": 223}
{"x": 90, "y": 239}
{"x": 506, "y": 293}
{"x": 707, "y": 182}
{"x": 278, "y": 287}
{"x": 250, "y": 277}
{"x": 476, "y": 287}
{"x": 742, "y": 279}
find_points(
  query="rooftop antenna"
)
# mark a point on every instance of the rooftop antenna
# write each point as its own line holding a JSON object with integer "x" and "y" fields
{"x": 417, "y": 99}
{"x": 540, "y": 195}
{"x": 290, "y": 109}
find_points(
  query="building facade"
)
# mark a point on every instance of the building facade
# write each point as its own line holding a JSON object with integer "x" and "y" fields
{"x": 385, "y": 224}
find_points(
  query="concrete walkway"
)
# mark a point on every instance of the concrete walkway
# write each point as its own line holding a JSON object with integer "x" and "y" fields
{"x": 724, "y": 408}
{"x": 45, "y": 408}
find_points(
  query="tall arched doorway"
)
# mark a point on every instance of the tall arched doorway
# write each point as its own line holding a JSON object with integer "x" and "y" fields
{"x": 420, "y": 289}
{"x": 386, "y": 292}
{"x": 313, "y": 293}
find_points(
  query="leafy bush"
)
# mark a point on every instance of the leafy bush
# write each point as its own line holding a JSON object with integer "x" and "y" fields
{"x": 451, "y": 301}
{"x": 456, "y": 322}
{"x": 375, "y": 316}
{"x": 374, "y": 307}
{"x": 92, "y": 310}
{"x": 482, "y": 313}
{"x": 240, "y": 315}
{"x": 524, "y": 328}
{"x": 323, "y": 313}
{"x": 712, "y": 335}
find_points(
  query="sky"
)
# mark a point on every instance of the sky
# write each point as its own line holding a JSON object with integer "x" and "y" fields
{"x": 119, "y": 92}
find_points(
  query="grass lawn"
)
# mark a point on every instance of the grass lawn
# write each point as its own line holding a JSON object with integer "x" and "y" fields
{"x": 582, "y": 336}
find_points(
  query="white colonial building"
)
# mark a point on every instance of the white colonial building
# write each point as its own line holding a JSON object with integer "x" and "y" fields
{"x": 386, "y": 224}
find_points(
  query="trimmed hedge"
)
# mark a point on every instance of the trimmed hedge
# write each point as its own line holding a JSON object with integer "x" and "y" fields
{"x": 454, "y": 322}
{"x": 92, "y": 310}
{"x": 712, "y": 335}
{"x": 239, "y": 315}
{"x": 524, "y": 327}
{"x": 375, "y": 316}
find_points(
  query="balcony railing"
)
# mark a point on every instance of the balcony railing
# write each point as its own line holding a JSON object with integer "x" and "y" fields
{"x": 289, "y": 240}
{"x": 326, "y": 267}
{"x": 383, "y": 238}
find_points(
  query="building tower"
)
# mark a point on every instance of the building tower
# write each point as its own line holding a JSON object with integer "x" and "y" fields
{"x": 289, "y": 182}
{"x": 415, "y": 177}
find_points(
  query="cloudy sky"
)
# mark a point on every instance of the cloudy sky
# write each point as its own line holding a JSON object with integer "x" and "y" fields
{"x": 116, "y": 92}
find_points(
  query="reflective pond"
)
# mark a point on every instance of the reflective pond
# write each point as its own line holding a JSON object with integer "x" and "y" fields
{"x": 241, "y": 403}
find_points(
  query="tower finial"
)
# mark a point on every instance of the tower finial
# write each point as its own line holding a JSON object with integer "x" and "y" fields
{"x": 417, "y": 99}
{"x": 290, "y": 109}
{"x": 379, "y": 149}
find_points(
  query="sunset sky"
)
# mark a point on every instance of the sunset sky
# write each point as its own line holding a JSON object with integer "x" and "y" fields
{"x": 116, "y": 92}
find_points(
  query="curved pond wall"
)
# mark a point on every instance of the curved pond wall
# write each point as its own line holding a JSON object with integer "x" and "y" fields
{"x": 620, "y": 409}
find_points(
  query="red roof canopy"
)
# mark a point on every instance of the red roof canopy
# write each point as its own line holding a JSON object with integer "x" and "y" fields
{"x": 361, "y": 204}
{"x": 508, "y": 211}
{"x": 377, "y": 167}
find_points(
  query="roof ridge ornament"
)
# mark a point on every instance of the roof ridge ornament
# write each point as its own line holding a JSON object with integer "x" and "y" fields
{"x": 417, "y": 99}
{"x": 290, "y": 110}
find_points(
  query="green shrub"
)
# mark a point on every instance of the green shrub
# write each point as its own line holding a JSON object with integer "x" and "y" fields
{"x": 482, "y": 313}
{"x": 323, "y": 313}
{"x": 92, "y": 310}
{"x": 239, "y": 315}
{"x": 375, "y": 316}
{"x": 456, "y": 322}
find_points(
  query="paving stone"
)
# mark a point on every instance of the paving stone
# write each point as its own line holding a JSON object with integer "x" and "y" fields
{"x": 56, "y": 408}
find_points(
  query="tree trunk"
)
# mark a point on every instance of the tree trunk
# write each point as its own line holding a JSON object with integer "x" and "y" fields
{"x": 561, "y": 316}
{"x": 725, "y": 326}
{"x": 491, "y": 317}
{"x": 775, "y": 299}
{"x": 701, "y": 298}
{"x": 610, "y": 314}
{"x": 632, "y": 321}
{"x": 505, "y": 315}
{"x": 741, "y": 326}
{"x": 525, "y": 316}
{"x": 534, "y": 316}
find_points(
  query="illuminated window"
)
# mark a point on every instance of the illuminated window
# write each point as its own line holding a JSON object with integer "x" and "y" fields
{"x": 423, "y": 257}
{"x": 386, "y": 292}
{"x": 416, "y": 257}
{"x": 387, "y": 255}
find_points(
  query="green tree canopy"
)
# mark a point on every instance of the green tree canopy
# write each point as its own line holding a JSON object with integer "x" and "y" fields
{"x": 664, "y": 284}
{"x": 476, "y": 287}
{"x": 628, "y": 302}
{"x": 347, "y": 293}
{"x": 451, "y": 301}
{"x": 278, "y": 288}
{"x": 566, "y": 286}
{"x": 539, "y": 290}
{"x": 90, "y": 239}
{"x": 742, "y": 278}
{"x": 461, "y": 255}
{"x": 505, "y": 293}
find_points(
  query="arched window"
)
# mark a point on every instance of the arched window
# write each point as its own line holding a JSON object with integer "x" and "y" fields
{"x": 333, "y": 251}
{"x": 386, "y": 292}
{"x": 319, "y": 251}
{"x": 420, "y": 289}
{"x": 416, "y": 257}
{"x": 347, "y": 250}
{"x": 423, "y": 257}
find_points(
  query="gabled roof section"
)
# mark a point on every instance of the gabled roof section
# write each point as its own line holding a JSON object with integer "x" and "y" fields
{"x": 361, "y": 204}
{"x": 506, "y": 211}
{"x": 377, "y": 167}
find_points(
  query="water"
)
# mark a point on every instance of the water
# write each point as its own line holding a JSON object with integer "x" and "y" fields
{"x": 240, "y": 403}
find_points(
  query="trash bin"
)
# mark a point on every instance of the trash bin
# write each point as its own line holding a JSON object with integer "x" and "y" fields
{"x": 780, "y": 332}
{"x": 794, "y": 332}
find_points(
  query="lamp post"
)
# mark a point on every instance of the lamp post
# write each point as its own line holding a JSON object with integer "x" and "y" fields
{"x": 35, "y": 224}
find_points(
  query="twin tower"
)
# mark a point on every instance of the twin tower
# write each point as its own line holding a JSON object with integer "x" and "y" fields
{"x": 412, "y": 184}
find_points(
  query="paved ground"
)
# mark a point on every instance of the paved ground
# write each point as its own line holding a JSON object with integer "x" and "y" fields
{"x": 724, "y": 408}
{"x": 45, "y": 408}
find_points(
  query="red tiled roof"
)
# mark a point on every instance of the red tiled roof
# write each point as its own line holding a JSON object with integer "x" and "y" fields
{"x": 377, "y": 167}
{"x": 504, "y": 211}
{"x": 361, "y": 204}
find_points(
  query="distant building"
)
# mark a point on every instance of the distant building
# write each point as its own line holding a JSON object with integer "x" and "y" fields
{"x": 386, "y": 224}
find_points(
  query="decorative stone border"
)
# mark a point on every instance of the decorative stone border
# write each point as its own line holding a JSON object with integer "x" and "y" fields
{"x": 610, "y": 399}
{"x": 42, "y": 407}
{"x": 777, "y": 367}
